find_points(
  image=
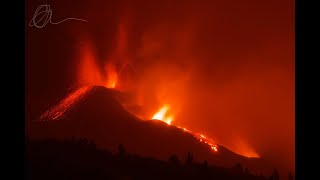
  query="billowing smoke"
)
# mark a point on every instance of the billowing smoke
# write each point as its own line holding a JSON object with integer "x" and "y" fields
{"x": 225, "y": 67}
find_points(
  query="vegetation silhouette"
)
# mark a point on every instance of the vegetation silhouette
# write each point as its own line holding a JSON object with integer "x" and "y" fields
{"x": 81, "y": 159}
{"x": 290, "y": 176}
{"x": 189, "y": 158}
{"x": 275, "y": 175}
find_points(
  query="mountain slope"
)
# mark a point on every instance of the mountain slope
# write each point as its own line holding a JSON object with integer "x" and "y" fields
{"x": 95, "y": 113}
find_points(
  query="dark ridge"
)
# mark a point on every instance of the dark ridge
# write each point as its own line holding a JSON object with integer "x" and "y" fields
{"x": 81, "y": 159}
{"x": 100, "y": 116}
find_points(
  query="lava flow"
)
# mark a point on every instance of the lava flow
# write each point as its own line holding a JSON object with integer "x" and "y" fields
{"x": 63, "y": 106}
{"x": 162, "y": 116}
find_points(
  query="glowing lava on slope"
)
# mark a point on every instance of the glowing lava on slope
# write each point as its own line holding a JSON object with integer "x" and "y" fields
{"x": 56, "y": 112}
{"x": 162, "y": 115}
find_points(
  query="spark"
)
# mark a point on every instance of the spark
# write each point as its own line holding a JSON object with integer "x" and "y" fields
{"x": 56, "y": 112}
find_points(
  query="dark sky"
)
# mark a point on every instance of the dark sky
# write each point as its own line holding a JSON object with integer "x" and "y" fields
{"x": 228, "y": 64}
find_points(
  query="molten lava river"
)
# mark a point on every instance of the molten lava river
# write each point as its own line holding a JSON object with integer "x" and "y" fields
{"x": 162, "y": 115}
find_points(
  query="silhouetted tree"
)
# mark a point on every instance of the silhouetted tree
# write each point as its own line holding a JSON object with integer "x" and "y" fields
{"x": 246, "y": 171}
{"x": 85, "y": 141}
{"x": 121, "y": 150}
{"x": 77, "y": 162}
{"x": 290, "y": 176}
{"x": 238, "y": 168}
{"x": 261, "y": 176}
{"x": 189, "y": 158}
{"x": 204, "y": 165}
{"x": 92, "y": 144}
{"x": 174, "y": 159}
{"x": 73, "y": 140}
{"x": 80, "y": 141}
{"x": 275, "y": 175}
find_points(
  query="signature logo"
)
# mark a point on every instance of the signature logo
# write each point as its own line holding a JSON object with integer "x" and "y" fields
{"x": 42, "y": 16}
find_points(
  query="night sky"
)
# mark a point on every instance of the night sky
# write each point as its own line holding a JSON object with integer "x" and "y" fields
{"x": 226, "y": 65}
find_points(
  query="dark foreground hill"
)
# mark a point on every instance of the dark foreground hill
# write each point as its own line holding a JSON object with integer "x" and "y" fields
{"x": 80, "y": 159}
{"x": 95, "y": 113}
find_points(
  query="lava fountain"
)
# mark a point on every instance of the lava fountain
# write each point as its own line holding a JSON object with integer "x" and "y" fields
{"x": 89, "y": 73}
{"x": 162, "y": 115}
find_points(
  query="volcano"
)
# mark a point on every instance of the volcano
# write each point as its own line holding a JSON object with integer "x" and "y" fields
{"x": 94, "y": 112}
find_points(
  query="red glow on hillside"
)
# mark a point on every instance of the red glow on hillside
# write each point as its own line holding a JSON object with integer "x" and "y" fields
{"x": 162, "y": 115}
{"x": 204, "y": 139}
{"x": 56, "y": 112}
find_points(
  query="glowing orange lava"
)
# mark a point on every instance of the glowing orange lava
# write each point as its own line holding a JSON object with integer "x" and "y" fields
{"x": 202, "y": 138}
{"x": 112, "y": 76}
{"x": 89, "y": 73}
{"x": 162, "y": 115}
{"x": 63, "y": 106}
